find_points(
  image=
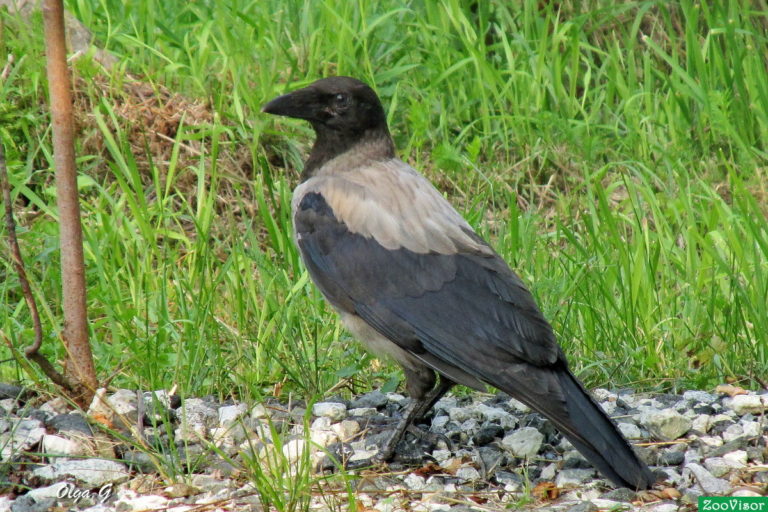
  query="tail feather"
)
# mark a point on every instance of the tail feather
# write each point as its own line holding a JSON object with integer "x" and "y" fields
{"x": 555, "y": 393}
{"x": 595, "y": 435}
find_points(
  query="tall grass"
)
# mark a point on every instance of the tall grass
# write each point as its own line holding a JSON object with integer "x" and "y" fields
{"x": 614, "y": 153}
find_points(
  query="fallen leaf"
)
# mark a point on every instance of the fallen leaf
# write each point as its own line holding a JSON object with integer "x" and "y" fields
{"x": 546, "y": 491}
{"x": 730, "y": 390}
{"x": 428, "y": 470}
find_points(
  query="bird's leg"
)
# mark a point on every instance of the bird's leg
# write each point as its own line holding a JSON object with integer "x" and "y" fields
{"x": 417, "y": 408}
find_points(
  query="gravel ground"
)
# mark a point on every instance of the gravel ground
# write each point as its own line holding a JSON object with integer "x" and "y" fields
{"x": 483, "y": 452}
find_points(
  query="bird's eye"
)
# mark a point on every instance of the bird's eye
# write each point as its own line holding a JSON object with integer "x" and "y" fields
{"x": 341, "y": 100}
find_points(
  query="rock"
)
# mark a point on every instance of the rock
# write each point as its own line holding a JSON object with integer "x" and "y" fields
{"x": 620, "y": 494}
{"x": 375, "y": 399}
{"x": 702, "y": 397}
{"x": 746, "y": 493}
{"x": 630, "y": 430}
{"x": 232, "y": 414}
{"x": 738, "y": 458}
{"x": 746, "y": 404}
{"x": 73, "y": 423}
{"x": 708, "y": 483}
{"x": 23, "y": 436}
{"x": 717, "y": 466}
{"x": 61, "y": 446}
{"x": 333, "y": 410}
{"x": 90, "y": 472}
{"x": 346, "y": 429}
{"x": 497, "y": 415}
{"x": 414, "y": 482}
{"x": 518, "y": 406}
{"x": 574, "y": 477}
{"x": 397, "y": 398}
{"x": 512, "y": 482}
{"x": 468, "y": 473}
{"x": 584, "y": 506}
{"x": 525, "y": 442}
{"x": 701, "y": 423}
{"x": 363, "y": 412}
{"x": 487, "y": 434}
{"x": 294, "y": 449}
{"x": 195, "y": 411}
{"x": 549, "y": 472}
{"x": 671, "y": 457}
{"x": 664, "y": 507}
{"x": 666, "y": 424}
{"x": 321, "y": 423}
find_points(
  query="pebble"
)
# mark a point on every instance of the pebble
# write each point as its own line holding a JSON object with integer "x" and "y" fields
{"x": 525, "y": 442}
{"x": 720, "y": 438}
{"x": 333, "y": 410}
{"x": 665, "y": 424}
{"x": 747, "y": 404}
{"x": 89, "y": 472}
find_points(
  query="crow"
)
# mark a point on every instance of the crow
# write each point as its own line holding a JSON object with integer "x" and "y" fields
{"x": 412, "y": 280}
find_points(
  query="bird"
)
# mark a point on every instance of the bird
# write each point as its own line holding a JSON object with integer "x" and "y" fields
{"x": 413, "y": 281}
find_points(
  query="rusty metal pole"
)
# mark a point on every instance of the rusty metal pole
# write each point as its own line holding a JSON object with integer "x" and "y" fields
{"x": 75, "y": 330}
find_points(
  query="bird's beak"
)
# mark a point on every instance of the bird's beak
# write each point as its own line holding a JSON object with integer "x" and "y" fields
{"x": 298, "y": 104}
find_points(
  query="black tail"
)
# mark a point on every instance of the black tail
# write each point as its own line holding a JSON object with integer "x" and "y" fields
{"x": 593, "y": 433}
{"x": 561, "y": 398}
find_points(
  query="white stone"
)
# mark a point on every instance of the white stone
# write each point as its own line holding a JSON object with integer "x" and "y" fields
{"x": 346, "y": 429}
{"x": 57, "y": 445}
{"x": 468, "y": 473}
{"x": 743, "y": 404}
{"x": 91, "y": 472}
{"x": 699, "y": 397}
{"x": 502, "y": 417}
{"x": 123, "y": 401}
{"x": 231, "y": 414}
{"x": 5, "y": 504}
{"x": 396, "y": 398}
{"x": 259, "y": 411}
{"x": 737, "y": 457}
{"x": 751, "y": 428}
{"x": 294, "y": 449}
{"x": 525, "y": 442}
{"x": 666, "y": 424}
{"x": 414, "y": 482}
{"x": 549, "y": 472}
{"x": 708, "y": 483}
{"x": 321, "y": 423}
{"x": 517, "y": 405}
{"x": 701, "y": 423}
{"x": 664, "y": 507}
{"x": 324, "y": 438}
{"x": 364, "y": 412}
{"x": 50, "y": 492}
{"x": 194, "y": 412}
{"x": 333, "y": 410}
{"x": 441, "y": 455}
{"x": 130, "y": 501}
{"x": 630, "y": 430}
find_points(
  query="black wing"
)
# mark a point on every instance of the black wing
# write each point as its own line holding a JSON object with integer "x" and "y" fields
{"x": 467, "y": 308}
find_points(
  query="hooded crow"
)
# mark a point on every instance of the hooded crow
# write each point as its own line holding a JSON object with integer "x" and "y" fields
{"x": 413, "y": 281}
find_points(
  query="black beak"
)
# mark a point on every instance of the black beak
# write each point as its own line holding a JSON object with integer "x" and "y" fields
{"x": 299, "y": 104}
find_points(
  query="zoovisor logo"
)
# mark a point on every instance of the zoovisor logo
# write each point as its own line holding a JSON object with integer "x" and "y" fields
{"x": 732, "y": 504}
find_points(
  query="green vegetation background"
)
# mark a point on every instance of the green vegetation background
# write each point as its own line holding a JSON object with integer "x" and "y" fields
{"x": 614, "y": 154}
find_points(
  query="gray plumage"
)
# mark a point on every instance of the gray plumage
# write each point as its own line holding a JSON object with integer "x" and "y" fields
{"x": 412, "y": 280}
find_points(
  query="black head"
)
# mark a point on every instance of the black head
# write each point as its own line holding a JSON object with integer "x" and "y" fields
{"x": 345, "y": 114}
{"x": 337, "y": 103}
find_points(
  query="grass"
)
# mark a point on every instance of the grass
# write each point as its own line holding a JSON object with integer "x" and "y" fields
{"x": 614, "y": 153}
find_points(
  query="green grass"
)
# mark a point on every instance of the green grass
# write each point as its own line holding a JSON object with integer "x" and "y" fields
{"x": 615, "y": 155}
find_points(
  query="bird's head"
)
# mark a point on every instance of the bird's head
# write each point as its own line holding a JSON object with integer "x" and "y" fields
{"x": 336, "y": 103}
{"x": 345, "y": 114}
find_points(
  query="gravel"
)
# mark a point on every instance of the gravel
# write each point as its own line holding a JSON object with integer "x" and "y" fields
{"x": 479, "y": 450}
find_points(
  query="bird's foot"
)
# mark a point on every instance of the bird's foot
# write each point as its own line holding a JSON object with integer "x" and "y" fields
{"x": 431, "y": 437}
